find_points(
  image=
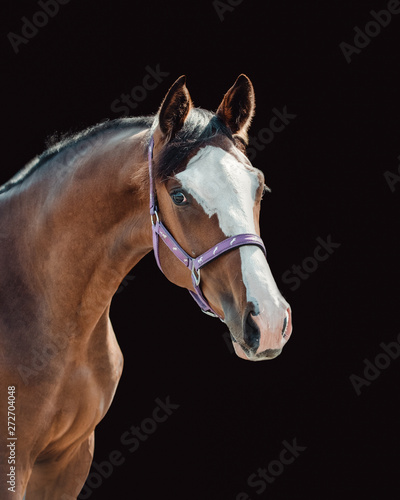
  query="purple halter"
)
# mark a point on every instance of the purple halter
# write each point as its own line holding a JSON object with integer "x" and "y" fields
{"x": 194, "y": 265}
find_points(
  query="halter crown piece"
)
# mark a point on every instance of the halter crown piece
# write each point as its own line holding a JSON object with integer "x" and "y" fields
{"x": 193, "y": 264}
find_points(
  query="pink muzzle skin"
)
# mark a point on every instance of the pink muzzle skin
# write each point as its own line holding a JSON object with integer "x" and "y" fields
{"x": 193, "y": 264}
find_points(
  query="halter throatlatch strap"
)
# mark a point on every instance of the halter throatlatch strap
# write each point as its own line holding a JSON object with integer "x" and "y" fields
{"x": 193, "y": 264}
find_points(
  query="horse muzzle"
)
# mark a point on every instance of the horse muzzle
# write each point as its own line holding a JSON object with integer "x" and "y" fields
{"x": 258, "y": 341}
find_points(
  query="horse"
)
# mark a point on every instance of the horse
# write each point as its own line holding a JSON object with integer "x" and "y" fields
{"x": 74, "y": 222}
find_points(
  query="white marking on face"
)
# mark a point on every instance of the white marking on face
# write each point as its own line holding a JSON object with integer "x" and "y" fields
{"x": 222, "y": 185}
{"x": 263, "y": 292}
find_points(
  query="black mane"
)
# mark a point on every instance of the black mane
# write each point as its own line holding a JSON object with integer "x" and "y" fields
{"x": 200, "y": 126}
{"x": 72, "y": 140}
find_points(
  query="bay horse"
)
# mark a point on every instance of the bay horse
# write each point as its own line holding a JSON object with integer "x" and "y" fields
{"x": 74, "y": 222}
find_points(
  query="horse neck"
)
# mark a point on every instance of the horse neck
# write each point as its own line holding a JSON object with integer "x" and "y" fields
{"x": 88, "y": 225}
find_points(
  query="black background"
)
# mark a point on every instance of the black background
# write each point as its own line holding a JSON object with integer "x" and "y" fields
{"x": 326, "y": 171}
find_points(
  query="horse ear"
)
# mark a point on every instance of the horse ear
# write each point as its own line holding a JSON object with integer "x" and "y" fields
{"x": 174, "y": 109}
{"x": 237, "y": 107}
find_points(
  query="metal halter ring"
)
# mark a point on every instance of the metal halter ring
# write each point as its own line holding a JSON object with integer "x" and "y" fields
{"x": 196, "y": 276}
{"x": 152, "y": 218}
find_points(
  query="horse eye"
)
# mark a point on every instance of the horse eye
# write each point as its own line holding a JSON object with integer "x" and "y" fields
{"x": 178, "y": 198}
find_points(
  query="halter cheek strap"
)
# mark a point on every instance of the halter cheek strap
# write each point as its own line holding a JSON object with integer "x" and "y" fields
{"x": 193, "y": 264}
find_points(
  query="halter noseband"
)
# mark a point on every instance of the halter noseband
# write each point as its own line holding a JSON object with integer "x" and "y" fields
{"x": 193, "y": 264}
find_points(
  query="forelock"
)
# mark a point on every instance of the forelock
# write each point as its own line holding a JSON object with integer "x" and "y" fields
{"x": 201, "y": 128}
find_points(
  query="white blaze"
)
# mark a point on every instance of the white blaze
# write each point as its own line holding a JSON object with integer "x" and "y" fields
{"x": 225, "y": 187}
{"x": 222, "y": 186}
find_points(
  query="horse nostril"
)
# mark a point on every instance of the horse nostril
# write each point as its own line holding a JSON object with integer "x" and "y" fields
{"x": 251, "y": 332}
{"x": 285, "y": 324}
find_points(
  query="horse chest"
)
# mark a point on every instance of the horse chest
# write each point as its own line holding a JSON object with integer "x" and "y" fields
{"x": 84, "y": 394}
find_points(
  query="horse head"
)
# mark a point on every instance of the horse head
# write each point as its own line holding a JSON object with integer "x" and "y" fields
{"x": 208, "y": 191}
